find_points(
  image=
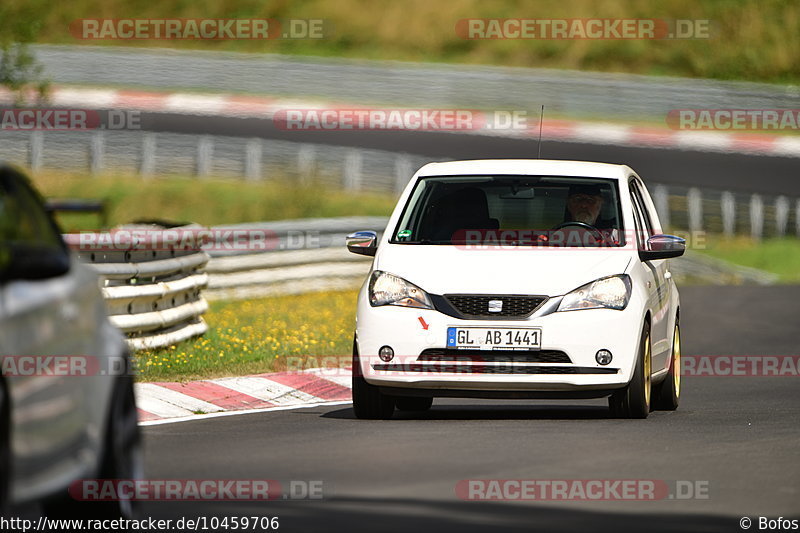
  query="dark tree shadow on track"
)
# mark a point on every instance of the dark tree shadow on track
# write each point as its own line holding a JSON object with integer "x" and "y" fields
{"x": 356, "y": 515}
{"x": 491, "y": 412}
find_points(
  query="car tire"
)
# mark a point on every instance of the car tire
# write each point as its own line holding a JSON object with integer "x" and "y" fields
{"x": 369, "y": 403}
{"x": 413, "y": 403}
{"x": 5, "y": 452}
{"x": 634, "y": 400}
{"x": 121, "y": 458}
{"x": 666, "y": 394}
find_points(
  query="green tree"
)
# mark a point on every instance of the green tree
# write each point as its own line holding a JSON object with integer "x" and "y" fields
{"x": 20, "y": 72}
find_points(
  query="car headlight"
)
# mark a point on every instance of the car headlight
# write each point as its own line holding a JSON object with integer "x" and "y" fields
{"x": 387, "y": 289}
{"x": 612, "y": 292}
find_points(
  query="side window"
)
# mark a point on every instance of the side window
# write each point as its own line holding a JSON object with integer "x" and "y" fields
{"x": 23, "y": 218}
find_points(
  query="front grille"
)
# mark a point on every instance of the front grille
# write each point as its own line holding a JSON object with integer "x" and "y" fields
{"x": 476, "y": 306}
{"x": 494, "y": 356}
{"x": 491, "y": 369}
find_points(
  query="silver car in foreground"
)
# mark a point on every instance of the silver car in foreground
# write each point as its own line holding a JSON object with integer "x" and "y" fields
{"x": 67, "y": 409}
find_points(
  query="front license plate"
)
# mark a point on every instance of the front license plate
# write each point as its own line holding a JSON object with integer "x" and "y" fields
{"x": 477, "y": 338}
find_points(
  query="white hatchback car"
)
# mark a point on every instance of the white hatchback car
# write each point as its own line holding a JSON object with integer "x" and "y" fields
{"x": 518, "y": 279}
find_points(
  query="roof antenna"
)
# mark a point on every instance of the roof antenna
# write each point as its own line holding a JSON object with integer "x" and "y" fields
{"x": 541, "y": 121}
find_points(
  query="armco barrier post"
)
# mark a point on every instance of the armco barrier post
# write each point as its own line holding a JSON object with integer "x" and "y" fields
{"x": 205, "y": 151}
{"x": 35, "y": 150}
{"x": 781, "y": 215}
{"x": 661, "y": 200}
{"x": 147, "y": 166}
{"x": 306, "y": 161}
{"x": 728, "y": 208}
{"x": 96, "y": 149}
{"x": 797, "y": 218}
{"x": 694, "y": 199}
{"x": 756, "y": 217}
{"x": 252, "y": 160}
{"x": 352, "y": 170}
{"x": 402, "y": 172}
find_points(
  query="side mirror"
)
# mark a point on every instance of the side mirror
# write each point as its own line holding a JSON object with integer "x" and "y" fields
{"x": 363, "y": 242}
{"x": 663, "y": 247}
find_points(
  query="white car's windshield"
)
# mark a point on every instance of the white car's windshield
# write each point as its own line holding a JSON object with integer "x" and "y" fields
{"x": 512, "y": 211}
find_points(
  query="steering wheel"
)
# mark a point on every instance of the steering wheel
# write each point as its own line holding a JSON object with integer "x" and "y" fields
{"x": 588, "y": 227}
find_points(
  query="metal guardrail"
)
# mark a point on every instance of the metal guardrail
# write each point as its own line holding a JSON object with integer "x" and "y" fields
{"x": 380, "y": 171}
{"x": 724, "y": 212}
{"x": 153, "y": 296}
{"x": 308, "y": 255}
{"x": 151, "y": 154}
{"x": 564, "y": 92}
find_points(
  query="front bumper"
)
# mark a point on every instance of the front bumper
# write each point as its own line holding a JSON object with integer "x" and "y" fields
{"x": 578, "y": 334}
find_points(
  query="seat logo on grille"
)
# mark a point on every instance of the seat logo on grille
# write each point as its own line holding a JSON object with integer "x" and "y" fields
{"x": 495, "y": 306}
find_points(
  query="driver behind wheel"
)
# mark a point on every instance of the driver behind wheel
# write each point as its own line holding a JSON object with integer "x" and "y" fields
{"x": 584, "y": 205}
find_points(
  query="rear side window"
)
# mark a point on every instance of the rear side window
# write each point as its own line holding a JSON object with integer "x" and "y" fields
{"x": 644, "y": 226}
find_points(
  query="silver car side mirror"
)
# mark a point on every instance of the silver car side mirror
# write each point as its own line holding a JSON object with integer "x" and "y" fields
{"x": 663, "y": 247}
{"x": 363, "y": 242}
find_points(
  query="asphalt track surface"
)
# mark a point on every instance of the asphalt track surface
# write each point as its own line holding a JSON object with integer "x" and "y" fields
{"x": 723, "y": 171}
{"x": 739, "y": 436}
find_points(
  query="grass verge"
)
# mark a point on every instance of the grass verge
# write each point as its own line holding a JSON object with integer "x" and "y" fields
{"x": 780, "y": 256}
{"x": 264, "y": 335}
{"x": 753, "y": 40}
{"x": 207, "y": 201}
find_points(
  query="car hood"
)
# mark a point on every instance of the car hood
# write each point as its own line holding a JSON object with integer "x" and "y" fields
{"x": 441, "y": 269}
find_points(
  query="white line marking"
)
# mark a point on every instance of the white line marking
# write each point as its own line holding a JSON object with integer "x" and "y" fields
{"x": 159, "y": 407}
{"x": 704, "y": 140}
{"x": 149, "y": 391}
{"x": 195, "y": 103}
{"x": 787, "y": 146}
{"x": 236, "y": 413}
{"x": 96, "y": 98}
{"x": 604, "y": 133}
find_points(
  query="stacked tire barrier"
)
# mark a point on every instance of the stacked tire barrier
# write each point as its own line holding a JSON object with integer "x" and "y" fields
{"x": 153, "y": 296}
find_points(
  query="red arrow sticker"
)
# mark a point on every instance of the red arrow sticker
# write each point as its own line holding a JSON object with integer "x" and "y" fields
{"x": 424, "y": 324}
